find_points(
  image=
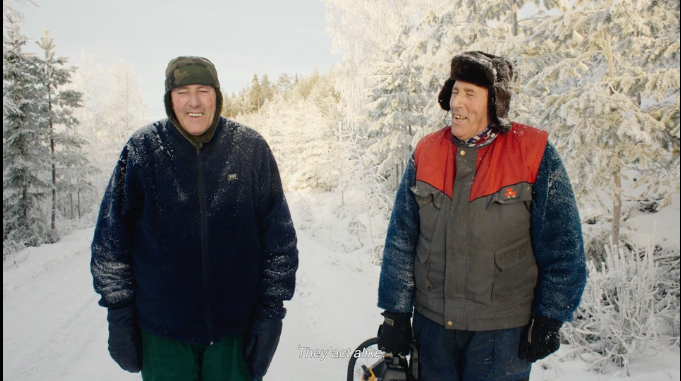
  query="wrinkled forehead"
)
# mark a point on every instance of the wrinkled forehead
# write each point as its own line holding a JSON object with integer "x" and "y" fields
{"x": 468, "y": 86}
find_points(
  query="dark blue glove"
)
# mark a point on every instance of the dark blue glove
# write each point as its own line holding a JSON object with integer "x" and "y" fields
{"x": 125, "y": 339}
{"x": 539, "y": 339}
{"x": 261, "y": 345}
{"x": 395, "y": 334}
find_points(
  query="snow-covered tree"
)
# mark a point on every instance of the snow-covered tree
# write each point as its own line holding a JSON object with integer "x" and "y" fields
{"x": 267, "y": 88}
{"x": 127, "y": 111}
{"x": 24, "y": 156}
{"x": 57, "y": 118}
{"x": 363, "y": 32}
{"x": 255, "y": 95}
{"x": 615, "y": 65}
{"x": 228, "y": 109}
{"x": 299, "y": 126}
{"x": 103, "y": 118}
{"x": 114, "y": 109}
{"x": 243, "y": 102}
{"x": 284, "y": 83}
{"x": 395, "y": 111}
{"x": 363, "y": 193}
{"x": 315, "y": 138}
{"x": 91, "y": 80}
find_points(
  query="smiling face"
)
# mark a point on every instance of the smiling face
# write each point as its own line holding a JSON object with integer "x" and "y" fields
{"x": 194, "y": 107}
{"x": 468, "y": 106}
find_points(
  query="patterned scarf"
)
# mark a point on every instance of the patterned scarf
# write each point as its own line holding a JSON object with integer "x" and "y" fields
{"x": 482, "y": 139}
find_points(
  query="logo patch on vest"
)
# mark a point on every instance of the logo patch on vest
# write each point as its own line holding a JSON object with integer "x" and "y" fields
{"x": 510, "y": 193}
{"x": 232, "y": 177}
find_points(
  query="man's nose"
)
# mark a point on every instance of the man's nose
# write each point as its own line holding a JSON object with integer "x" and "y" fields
{"x": 454, "y": 101}
{"x": 194, "y": 100}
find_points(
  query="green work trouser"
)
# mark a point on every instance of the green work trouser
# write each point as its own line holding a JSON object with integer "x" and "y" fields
{"x": 165, "y": 360}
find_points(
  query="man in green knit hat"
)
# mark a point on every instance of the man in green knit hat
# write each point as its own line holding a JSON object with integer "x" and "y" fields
{"x": 194, "y": 250}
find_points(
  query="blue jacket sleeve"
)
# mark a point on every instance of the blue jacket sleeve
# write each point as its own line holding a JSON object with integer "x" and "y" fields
{"x": 111, "y": 262}
{"x": 557, "y": 241}
{"x": 278, "y": 239}
{"x": 396, "y": 285}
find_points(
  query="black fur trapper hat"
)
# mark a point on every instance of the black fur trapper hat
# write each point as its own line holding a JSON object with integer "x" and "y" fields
{"x": 486, "y": 70}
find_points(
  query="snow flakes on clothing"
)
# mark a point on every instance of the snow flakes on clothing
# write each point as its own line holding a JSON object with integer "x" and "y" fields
{"x": 199, "y": 255}
{"x": 397, "y": 285}
{"x": 556, "y": 240}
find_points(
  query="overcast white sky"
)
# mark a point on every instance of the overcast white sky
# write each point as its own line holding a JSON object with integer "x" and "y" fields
{"x": 241, "y": 37}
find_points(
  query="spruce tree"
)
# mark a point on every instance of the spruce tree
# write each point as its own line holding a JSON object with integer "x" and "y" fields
{"x": 283, "y": 83}
{"x": 24, "y": 156}
{"x": 69, "y": 167}
{"x": 255, "y": 95}
{"x": 266, "y": 88}
{"x": 227, "y": 108}
{"x": 395, "y": 111}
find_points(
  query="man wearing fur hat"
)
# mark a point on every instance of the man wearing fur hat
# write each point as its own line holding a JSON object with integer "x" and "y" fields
{"x": 484, "y": 242}
{"x": 194, "y": 250}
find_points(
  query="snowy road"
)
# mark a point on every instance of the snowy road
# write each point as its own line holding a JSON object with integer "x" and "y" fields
{"x": 53, "y": 328}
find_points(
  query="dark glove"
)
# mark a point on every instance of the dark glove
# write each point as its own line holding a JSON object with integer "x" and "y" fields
{"x": 261, "y": 345}
{"x": 539, "y": 339}
{"x": 125, "y": 339}
{"x": 394, "y": 335}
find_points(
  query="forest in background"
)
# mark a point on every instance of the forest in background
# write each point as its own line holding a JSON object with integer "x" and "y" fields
{"x": 602, "y": 77}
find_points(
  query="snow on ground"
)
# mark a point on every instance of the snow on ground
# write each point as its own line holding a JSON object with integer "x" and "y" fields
{"x": 663, "y": 228}
{"x": 53, "y": 328}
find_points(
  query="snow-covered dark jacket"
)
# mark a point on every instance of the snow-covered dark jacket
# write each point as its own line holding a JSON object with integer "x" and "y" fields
{"x": 480, "y": 237}
{"x": 199, "y": 240}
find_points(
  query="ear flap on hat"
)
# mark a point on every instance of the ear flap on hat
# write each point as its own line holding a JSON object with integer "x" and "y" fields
{"x": 446, "y": 94}
{"x": 168, "y": 103}
{"x": 502, "y": 92}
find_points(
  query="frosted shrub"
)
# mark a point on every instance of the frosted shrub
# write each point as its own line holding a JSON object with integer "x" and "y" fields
{"x": 629, "y": 306}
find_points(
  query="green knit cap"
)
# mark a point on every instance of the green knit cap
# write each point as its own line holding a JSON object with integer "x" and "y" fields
{"x": 187, "y": 70}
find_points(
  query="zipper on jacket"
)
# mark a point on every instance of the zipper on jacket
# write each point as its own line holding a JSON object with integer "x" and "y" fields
{"x": 204, "y": 246}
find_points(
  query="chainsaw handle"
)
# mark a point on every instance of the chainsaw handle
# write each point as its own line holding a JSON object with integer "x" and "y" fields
{"x": 353, "y": 359}
{"x": 414, "y": 361}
